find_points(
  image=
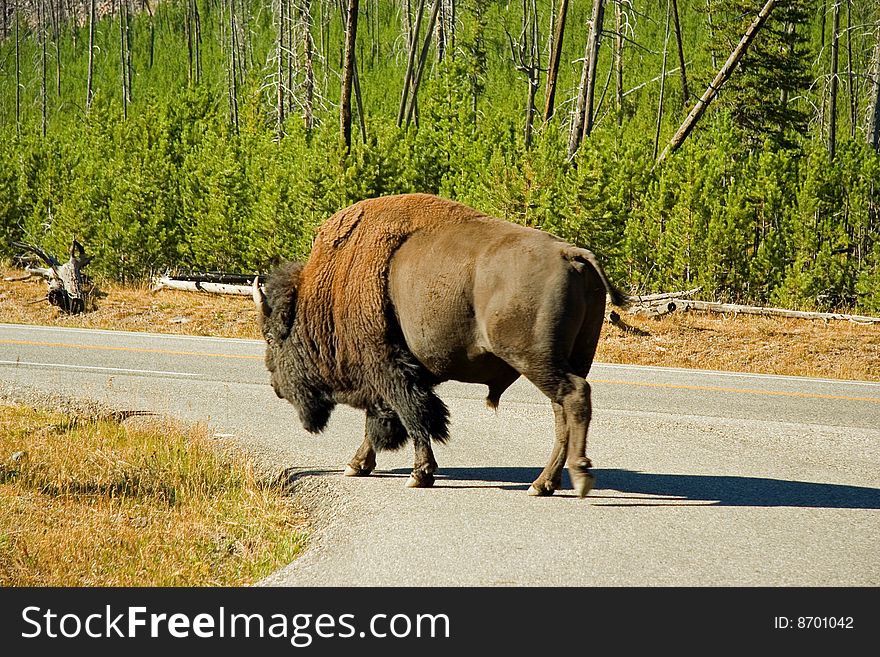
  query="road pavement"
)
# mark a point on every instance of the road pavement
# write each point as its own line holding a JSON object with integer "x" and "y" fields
{"x": 703, "y": 478}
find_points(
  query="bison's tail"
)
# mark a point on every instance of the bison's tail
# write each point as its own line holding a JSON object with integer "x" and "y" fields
{"x": 585, "y": 256}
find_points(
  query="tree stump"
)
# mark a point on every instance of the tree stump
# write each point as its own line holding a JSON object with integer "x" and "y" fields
{"x": 67, "y": 288}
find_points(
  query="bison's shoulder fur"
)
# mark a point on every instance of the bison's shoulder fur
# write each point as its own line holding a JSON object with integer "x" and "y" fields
{"x": 345, "y": 343}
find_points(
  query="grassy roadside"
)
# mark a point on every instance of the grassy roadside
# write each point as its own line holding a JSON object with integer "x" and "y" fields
{"x": 95, "y": 502}
{"x": 697, "y": 340}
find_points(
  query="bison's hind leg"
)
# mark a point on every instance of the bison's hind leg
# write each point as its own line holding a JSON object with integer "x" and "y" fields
{"x": 571, "y": 397}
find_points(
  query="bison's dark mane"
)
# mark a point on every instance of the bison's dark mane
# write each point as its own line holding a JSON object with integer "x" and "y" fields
{"x": 280, "y": 292}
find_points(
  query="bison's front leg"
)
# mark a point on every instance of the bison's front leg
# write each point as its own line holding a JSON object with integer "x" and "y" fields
{"x": 383, "y": 431}
{"x": 425, "y": 466}
{"x": 364, "y": 460}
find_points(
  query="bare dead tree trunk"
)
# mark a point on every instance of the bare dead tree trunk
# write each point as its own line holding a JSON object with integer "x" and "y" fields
{"x": 583, "y": 121}
{"x": 873, "y": 131}
{"x": 280, "y": 53}
{"x": 232, "y": 66}
{"x": 451, "y": 30}
{"x": 43, "y": 63}
{"x": 783, "y": 95}
{"x": 618, "y": 59}
{"x": 410, "y": 65}
{"x": 524, "y": 54}
{"x": 308, "y": 54}
{"x": 360, "y": 103}
{"x": 17, "y": 72}
{"x": 56, "y": 41}
{"x": 89, "y": 91}
{"x": 441, "y": 31}
{"x": 197, "y": 41}
{"x": 685, "y": 94}
{"x": 850, "y": 81}
{"x": 832, "y": 113}
{"x": 348, "y": 73}
{"x": 423, "y": 58}
{"x": 122, "y": 59}
{"x": 555, "y": 54}
{"x": 188, "y": 35}
{"x": 662, "y": 80}
{"x": 720, "y": 78}
{"x": 711, "y": 33}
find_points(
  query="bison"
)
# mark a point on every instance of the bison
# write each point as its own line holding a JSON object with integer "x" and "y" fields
{"x": 401, "y": 293}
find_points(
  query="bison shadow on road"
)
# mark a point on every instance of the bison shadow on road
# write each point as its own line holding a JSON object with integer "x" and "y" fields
{"x": 612, "y": 487}
{"x": 632, "y": 488}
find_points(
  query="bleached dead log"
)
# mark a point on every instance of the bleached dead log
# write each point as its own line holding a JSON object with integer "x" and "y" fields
{"x": 710, "y": 306}
{"x": 170, "y": 283}
{"x": 650, "y": 298}
{"x": 655, "y": 309}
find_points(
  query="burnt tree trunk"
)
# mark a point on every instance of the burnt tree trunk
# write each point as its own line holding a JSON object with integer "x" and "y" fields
{"x": 662, "y": 80}
{"x": 850, "y": 80}
{"x": 89, "y": 90}
{"x": 685, "y": 94}
{"x": 348, "y": 73}
{"x": 423, "y": 58}
{"x": 721, "y": 77}
{"x": 618, "y": 60}
{"x": 832, "y": 110}
{"x": 555, "y": 54}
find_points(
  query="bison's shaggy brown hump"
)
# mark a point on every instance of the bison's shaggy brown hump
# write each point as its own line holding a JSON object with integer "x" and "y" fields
{"x": 343, "y": 297}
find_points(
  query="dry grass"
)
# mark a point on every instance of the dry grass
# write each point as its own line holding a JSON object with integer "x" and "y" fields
{"x": 98, "y": 503}
{"x": 748, "y": 343}
{"x": 132, "y": 308}
{"x": 743, "y": 343}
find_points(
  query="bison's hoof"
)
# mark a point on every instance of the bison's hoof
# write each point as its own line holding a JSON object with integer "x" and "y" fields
{"x": 540, "y": 491}
{"x": 420, "y": 481}
{"x": 351, "y": 471}
{"x": 583, "y": 483}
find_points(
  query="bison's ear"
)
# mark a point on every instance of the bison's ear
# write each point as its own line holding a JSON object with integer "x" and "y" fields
{"x": 286, "y": 311}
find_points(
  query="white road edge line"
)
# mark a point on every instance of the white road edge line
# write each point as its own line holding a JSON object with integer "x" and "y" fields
{"x": 140, "y": 334}
{"x": 596, "y": 364}
{"x": 731, "y": 375}
{"x": 91, "y": 367}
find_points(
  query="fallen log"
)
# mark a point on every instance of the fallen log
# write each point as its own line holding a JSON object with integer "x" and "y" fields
{"x": 685, "y": 305}
{"x": 651, "y": 298}
{"x": 215, "y": 277}
{"x": 173, "y": 283}
{"x": 654, "y": 309}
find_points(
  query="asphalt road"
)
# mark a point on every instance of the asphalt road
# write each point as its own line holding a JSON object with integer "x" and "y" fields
{"x": 703, "y": 478}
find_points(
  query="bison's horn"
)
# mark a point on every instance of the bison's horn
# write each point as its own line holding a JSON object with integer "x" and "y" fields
{"x": 260, "y": 298}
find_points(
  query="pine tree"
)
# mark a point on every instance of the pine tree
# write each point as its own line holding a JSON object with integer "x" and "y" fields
{"x": 774, "y": 71}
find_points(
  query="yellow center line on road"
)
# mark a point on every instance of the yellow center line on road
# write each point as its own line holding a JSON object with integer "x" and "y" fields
{"x": 141, "y": 350}
{"x": 745, "y": 391}
{"x": 670, "y": 386}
